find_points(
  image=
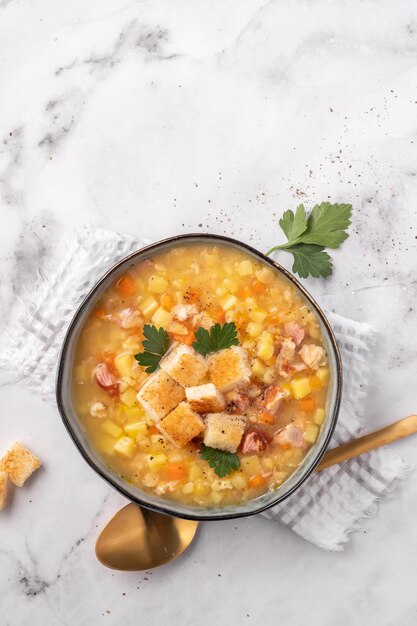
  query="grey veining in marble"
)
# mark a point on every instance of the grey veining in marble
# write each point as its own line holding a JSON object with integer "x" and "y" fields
{"x": 157, "y": 118}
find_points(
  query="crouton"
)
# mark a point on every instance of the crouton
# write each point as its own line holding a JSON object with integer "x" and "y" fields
{"x": 205, "y": 398}
{"x": 229, "y": 369}
{"x": 19, "y": 463}
{"x": 185, "y": 365}
{"x": 313, "y": 356}
{"x": 160, "y": 394}
{"x": 4, "y": 489}
{"x": 181, "y": 425}
{"x": 224, "y": 431}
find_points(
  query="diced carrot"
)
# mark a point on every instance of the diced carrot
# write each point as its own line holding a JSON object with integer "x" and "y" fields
{"x": 192, "y": 296}
{"x": 100, "y": 314}
{"x": 315, "y": 382}
{"x": 188, "y": 339}
{"x": 167, "y": 301}
{"x": 308, "y": 404}
{"x": 241, "y": 321}
{"x": 153, "y": 430}
{"x": 219, "y": 315}
{"x": 126, "y": 286}
{"x": 256, "y": 481}
{"x": 245, "y": 292}
{"x": 176, "y": 471}
{"x": 266, "y": 417}
{"x": 258, "y": 287}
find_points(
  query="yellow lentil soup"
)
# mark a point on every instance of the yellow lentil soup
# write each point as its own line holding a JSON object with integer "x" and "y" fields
{"x": 259, "y": 402}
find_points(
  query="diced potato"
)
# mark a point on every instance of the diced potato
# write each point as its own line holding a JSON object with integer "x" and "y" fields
{"x": 257, "y": 315}
{"x": 137, "y": 428}
{"x": 311, "y": 432}
{"x": 124, "y": 363}
{"x": 111, "y": 428}
{"x": 151, "y": 479}
{"x": 194, "y": 472}
{"x": 216, "y": 497}
{"x": 251, "y": 465}
{"x": 239, "y": 481}
{"x": 245, "y": 268}
{"x": 162, "y": 317}
{"x": 300, "y": 387}
{"x": 265, "y": 275}
{"x": 314, "y": 331}
{"x": 286, "y": 387}
{"x": 134, "y": 413}
{"x": 157, "y": 284}
{"x": 231, "y": 285}
{"x": 268, "y": 464}
{"x": 125, "y": 446}
{"x": 148, "y": 306}
{"x": 178, "y": 329}
{"x": 258, "y": 368}
{"x": 128, "y": 397}
{"x": 266, "y": 346}
{"x": 228, "y": 301}
{"x": 188, "y": 488}
{"x": 269, "y": 376}
{"x": 254, "y": 329}
{"x": 319, "y": 416}
{"x": 157, "y": 462}
{"x": 132, "y": 344}
{"x": 201, "y": 487}
{"x": 323, "y": 374}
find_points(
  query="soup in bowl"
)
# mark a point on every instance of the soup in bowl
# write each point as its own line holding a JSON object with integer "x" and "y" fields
{"x": 200, "y": 379}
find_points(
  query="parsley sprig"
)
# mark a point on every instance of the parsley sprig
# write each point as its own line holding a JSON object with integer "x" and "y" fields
{"x": 217, "y": 338}
{"x": 155, "y": 345}
{"x": 308, "y": 235}
{"x": 220, "y": 461}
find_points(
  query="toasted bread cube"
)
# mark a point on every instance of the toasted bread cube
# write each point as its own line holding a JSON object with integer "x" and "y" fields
{"x": 19, "y": 463}
{"x": 229, "y": 368}
{"x": 224, "y": 431}
{"x": 185, "y": 365}
{"x": 205, "y": 398}
{"x": 160, "y": 394}
{"x": 4, "y": 489}
{"x": 181, "y": 425}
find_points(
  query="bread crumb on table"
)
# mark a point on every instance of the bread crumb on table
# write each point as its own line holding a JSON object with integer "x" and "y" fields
{"x": 19, "y": 463}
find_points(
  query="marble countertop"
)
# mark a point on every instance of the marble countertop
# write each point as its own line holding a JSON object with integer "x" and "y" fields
{"x": 157, "y": 118}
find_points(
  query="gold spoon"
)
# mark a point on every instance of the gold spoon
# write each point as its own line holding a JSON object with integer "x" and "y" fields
{"x": 138, "y": 539}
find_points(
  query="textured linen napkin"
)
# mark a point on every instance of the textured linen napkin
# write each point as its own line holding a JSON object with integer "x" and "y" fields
{"x": 329, "y": 506}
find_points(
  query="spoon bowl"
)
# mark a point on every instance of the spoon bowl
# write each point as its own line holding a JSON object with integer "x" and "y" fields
{"x": 139, "y": 539}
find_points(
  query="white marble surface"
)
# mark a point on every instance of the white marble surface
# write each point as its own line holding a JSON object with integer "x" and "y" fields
{"x": 164, "y": 117}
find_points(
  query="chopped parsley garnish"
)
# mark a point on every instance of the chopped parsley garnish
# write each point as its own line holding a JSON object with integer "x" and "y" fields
{"x": 215, "y": 339}
{"x": 308, "y": 235}
{"x": 220, "y": 461}
{"x": 155, "y": 345}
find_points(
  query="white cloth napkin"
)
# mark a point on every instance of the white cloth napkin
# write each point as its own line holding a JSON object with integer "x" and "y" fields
{"x": 329, "y": 506}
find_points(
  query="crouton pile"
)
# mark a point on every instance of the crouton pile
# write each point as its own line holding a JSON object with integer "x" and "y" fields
{"x": 184, "y": 405}
{"x": 16, "y": 466}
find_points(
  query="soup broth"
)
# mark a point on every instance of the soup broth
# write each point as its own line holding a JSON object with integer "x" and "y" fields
{"x": 258, "y": 403}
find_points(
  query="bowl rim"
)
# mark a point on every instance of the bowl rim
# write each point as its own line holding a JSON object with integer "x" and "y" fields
{"x": 164, "y": 506}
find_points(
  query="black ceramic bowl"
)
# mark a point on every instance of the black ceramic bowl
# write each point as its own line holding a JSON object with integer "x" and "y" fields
{"x": 149, "y": 500}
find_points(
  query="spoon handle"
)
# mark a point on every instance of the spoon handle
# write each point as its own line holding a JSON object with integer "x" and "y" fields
{"x": 398, "y": 430}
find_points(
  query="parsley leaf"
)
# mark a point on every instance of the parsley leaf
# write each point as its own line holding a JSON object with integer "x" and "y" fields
{"x": 325, "y": 227}
{"x": 220, "y": 461}
{"x": 310, "y": 260}
{"x": 155, "y": 345}
{"x": 292, "y": 224}
{"x": 217, "y": 338}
